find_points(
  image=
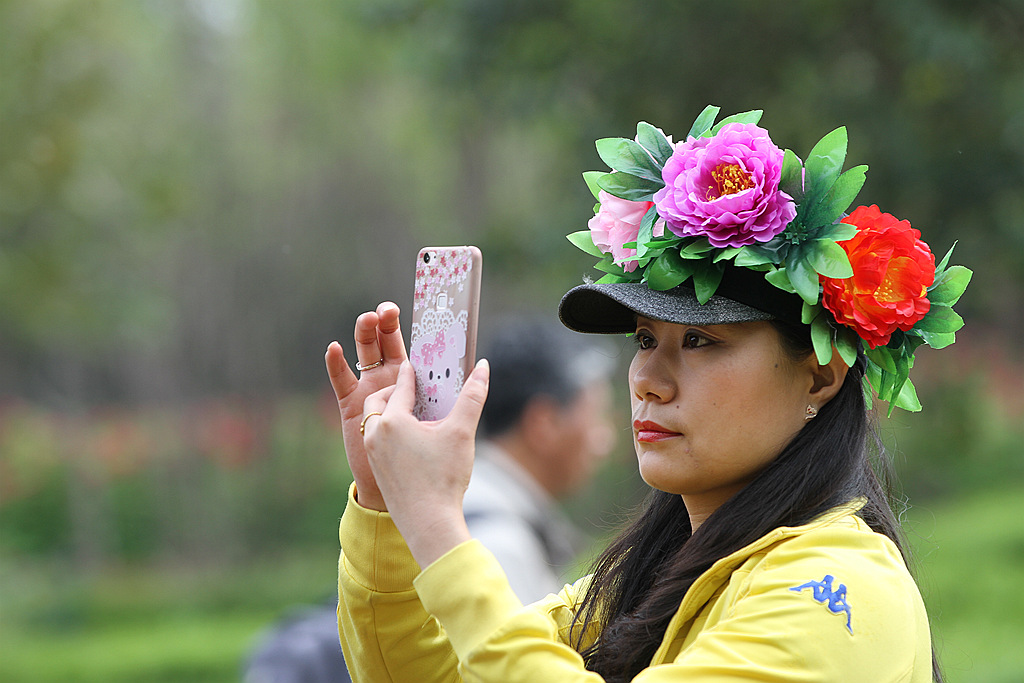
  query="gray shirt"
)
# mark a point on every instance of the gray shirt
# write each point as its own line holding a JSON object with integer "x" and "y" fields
{"x": 519, "y": 522}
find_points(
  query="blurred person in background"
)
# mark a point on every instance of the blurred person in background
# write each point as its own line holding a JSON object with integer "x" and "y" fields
{"x": 545, "y": 429}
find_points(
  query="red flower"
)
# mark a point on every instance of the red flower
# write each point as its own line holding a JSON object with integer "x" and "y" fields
{"x": 892, "y": 270}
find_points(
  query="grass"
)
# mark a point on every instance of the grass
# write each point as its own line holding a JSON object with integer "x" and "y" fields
{"x": 148, "y": 624}
{"x": 195, "y": 625}
{"x": 970, "y": 557}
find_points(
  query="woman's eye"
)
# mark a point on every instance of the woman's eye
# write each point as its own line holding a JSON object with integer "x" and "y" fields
{"x": 693, "y": 340}
{"x": 643, "y": 340}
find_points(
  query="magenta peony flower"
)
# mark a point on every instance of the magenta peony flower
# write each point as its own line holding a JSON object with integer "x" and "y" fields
{"x": 618, "y": 222}
{"x": 726, "y": 188}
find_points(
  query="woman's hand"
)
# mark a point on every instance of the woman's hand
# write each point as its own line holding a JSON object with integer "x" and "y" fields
{"x": 378, "y": 338}
{"x": 423, "y": 468}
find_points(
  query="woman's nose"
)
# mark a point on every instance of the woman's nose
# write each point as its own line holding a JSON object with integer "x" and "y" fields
{"x": 651, "y": 379}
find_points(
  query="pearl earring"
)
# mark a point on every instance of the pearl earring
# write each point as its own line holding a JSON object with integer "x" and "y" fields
{"x": 810, "y": 413}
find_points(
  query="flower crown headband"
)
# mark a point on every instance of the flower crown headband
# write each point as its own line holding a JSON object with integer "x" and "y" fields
{"x": 671, "y": 212}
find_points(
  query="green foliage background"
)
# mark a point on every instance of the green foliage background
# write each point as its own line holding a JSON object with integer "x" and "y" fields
{"x": 197, "y": 195}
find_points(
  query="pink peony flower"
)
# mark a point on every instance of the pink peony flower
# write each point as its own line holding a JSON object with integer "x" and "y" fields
{"x": 726, "y": 188}
{"x": 618, "y": 222}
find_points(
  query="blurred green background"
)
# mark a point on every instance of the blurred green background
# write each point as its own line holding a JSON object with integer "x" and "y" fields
{"x": 196, "y": 196}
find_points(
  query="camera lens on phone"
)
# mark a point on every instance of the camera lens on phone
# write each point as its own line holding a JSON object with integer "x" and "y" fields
{"x": 426, "y": 257}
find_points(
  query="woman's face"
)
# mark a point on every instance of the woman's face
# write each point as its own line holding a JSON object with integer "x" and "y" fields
{"x": 712, "y": 406}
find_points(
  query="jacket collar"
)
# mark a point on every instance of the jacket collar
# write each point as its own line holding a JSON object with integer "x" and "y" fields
{"x": 708, "y": 582}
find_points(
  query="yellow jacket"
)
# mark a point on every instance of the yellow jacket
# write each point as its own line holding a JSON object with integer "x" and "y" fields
{"x": 827, "y": 601}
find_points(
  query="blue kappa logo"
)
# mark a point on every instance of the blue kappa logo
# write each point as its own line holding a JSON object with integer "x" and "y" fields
{"x": 835, "y": 600}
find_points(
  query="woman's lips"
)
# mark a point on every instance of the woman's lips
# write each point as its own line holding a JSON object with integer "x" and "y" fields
{"x": 652, "y": 432}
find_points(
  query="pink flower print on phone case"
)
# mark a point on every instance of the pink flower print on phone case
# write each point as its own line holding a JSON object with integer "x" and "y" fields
{"x": 450, "y": 267}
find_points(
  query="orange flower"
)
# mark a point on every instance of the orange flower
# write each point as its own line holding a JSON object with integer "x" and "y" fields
{"x": 892, "y": 270}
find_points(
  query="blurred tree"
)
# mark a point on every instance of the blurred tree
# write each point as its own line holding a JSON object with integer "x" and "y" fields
{"x": 196, "y": 196}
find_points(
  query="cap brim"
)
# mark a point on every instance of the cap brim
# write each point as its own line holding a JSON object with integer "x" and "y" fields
{"x": 612, "y": 308}
{"x": 743, "y": 295}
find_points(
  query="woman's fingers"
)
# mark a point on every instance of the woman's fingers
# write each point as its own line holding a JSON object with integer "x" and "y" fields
{"x": 343, "y": 380}
{"x": 404, "y": 397}
{"x": 470, "y": 403}
{"x": 368, "y": 351}
{"x": 389, "y": 333}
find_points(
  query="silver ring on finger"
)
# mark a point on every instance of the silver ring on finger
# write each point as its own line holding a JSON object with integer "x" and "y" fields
{"x": 360, "y": 367}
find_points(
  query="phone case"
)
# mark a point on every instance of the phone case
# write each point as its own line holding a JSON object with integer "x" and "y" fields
{"x": 442, "y": 348}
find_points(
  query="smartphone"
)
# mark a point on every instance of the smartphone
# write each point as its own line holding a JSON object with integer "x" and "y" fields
{"x": 445, "y": 309}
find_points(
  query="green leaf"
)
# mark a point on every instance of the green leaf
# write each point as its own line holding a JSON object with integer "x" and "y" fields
{"x": 704, "y": 121}
{"x": 726, "y": 254}
{"x": 907, "y": 400}
{"x": 607, "y": 265}
{"x": 822, "y": 168}
{"x": 706, "y": 280}
{"x": 695, "y": 248}
{"x": 873, "y": 375}
{"x": 821, "y": 337}
{"x": 937, "y": 340}
{"x": 803, "y": 278}
{"x": 886, "y": 388}
{"x": 808, "y": 312}
{"x": 628, "y": 156}
{"x": 865, "y": 386}
{"x": 668, "y": 271}
{"x": 899, "y": 381}
{"x": 912, "y": 341}
{"x": 755, "y": 255}
{"x": 646, "y": 231}
{"x": 590, "y": 178}
{"x": 583, "y": 240}
{"x": 838, "y": 232}
{"x": 847, "y": 343}
{"x": 949, "y": 287}
{"x": 838, "y": 198}
{"x": 752, "y": 116}
{"x": 627, "y": 186}
{"x": 940, "y": 318}
{"x": 828, "y": 258}
{"x": 662, "y": 244}
{"x": 945, "y": 260}
{"x": 897, "y": 339}
{"x": 780, "y": 278}
{"x": 654, "y": 141}
{"x": 826, "y": 158}
{"x": 792, "y": 180}
{"x": 882, "y": 357}
{"x": 611, "y": 278}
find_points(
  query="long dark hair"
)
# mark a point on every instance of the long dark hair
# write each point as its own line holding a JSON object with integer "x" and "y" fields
{"x": 640, "y": 580}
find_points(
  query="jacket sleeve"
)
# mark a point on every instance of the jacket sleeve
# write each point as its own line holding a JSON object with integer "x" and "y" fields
{"x": 461, "y": 607}
{"x": 386, "y": 635}
{"x": 495, "y": 637}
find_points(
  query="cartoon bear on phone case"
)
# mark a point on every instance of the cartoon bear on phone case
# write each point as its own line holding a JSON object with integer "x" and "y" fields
{"x": 437, "y": 361}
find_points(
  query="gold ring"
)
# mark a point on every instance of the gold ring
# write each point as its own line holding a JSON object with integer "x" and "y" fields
{"x": 360, "y": 367}
{"x": 362, "y": 425}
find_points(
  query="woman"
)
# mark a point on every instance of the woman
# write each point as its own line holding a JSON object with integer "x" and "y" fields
{"x": 767, "y": 550}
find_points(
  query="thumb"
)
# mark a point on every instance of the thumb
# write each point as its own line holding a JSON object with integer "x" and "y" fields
{"x": 470, "y": 403}
{"x": 404, "y": 396}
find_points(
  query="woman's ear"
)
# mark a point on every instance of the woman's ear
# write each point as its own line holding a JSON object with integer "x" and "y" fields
{"x": 826, "y": 379}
